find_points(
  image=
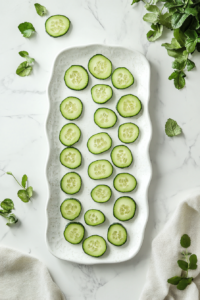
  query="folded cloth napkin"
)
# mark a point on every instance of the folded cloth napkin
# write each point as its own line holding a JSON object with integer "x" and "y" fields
{"x": 23, "y": 277}
{"x": 166, "y": 251}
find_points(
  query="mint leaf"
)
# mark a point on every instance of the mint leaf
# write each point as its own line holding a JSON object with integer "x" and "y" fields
{"x": 193, "y": 262}
{"x": 165, "y": 20}
{"x": 179, "y": 65}
{"x": 24, "y": 69}
{"x": 23, "y": 195}
{"x": 190, "y": 65}
{"x": 154, "y": 34}
{"x": 185, "y": 241}
{"x": 178, "y": 19}
{"x": 173, "y": 46}
{"x": 179, "y": 80}
{"x": 178, "y": 54}
{"x": 183, "y": 265}
{"x": 172, "y": 4}
{"x": 11, "y": 219}
{"x": 29, "y": 191}
{"x": 41, "y": 10}
{"x": 24, "y": 181}
{"x": 172, "y": 128}
{"x": 174, "y": 280}
{"x": 151, "y": 18}
{"x": 26, "y": 29}
{"x": 25, "y": 54}
{"x": 9, "y": 173}
{"x": 184, "y": 283}
{"x": 7, "y": 204}
{"x": 180, "y": 37}
{"x": 191, "y": 41}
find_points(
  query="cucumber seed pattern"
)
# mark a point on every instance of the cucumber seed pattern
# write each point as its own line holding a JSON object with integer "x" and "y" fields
{"x": 128, "y": 105}
{"x": 71, "y": 209}
{"x": 101, "y": 92}
{"x": 124, "y": 182}
{"x": 101, "y": 193}
{"x": 100, "y": 67}
{"x": 71, "y": 182}
{"x": 121, "y": 156}
{"x": 71, "y": 107}
{"x": 99, "y": 169}
{"x": 70, "y": 157}
{"x": 100, "y": 143}
{"x": 128, "y": 132}
{"x": 104, "y": 118}
{"x": 124, "y": 209}
{"x": 57, "y": 26}
{"x": 75, "y": 77}
{"x": 93, "y": 218}
{"x": 70, "y": 134}
{"x": 122, "y": 79}
{"x": 117, "y": 235}
{"x": 94, "y": 245}
{"x": 74, "y": 234}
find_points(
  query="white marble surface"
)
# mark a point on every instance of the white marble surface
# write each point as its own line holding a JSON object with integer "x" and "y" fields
{"x": 23, "y": 146}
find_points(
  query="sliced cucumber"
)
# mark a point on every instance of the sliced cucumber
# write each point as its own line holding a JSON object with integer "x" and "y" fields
{"x": 71, "y": 158}
{"x": 99, "y": 143}
{"x": 124, "y": 182}
{"x": 70, "y": 209}
{"x": 122, "y": 78}
{"x": 124, "y": 208}
{"x": 94, "y": 217}
{"x": 94, "y": 245}
{"x": 121, "y": 156}
{"x": 100, "y": 66}
{"x": 128, "y": 133}
{"x": 101, "y": 93}
{"x": 101, "y": 193}
{"x": 74, "y": 232}
{"x": 129, "y": 106}
{"x": 105, "y": 118}
{"x": 57, "y": 25}
{"x": 100, "y": 169}
{"x": 117, "y": 234}
{"x": 71, "y": 108}
{"x": 71, "y": 183}
{"x": 69, "y": 134}
{"x": 76, "y": 78}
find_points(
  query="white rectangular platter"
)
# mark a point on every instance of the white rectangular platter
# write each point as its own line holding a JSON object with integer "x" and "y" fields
{"x": 140, "y": 168}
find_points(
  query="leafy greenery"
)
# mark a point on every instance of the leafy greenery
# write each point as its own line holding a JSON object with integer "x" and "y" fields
{"x": 183, "y": 17}
{"x": 6, "y": 212}
{"x": 172, "y": 128}
{"x": 25, "y": 68}
{"x": 26, "y": 192}
{"x": 41, "y": 10}
{"x": 26, "y": 29}
{"x": 189, "y": 262}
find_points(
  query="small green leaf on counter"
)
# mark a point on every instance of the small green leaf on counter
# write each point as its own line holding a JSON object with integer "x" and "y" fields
{"x": 41, "y": 10}
{"x": 12, "y": 219}
{"x": 154, "y": 34}
{"x": 7, "y": 204}
{"x": 193, "y": 262}
{"x": 6, "y": 212}
{"x": 172, "y": 128}
{"x": 27, "y": 192}
{"x": 190, "y": 65}
{"x": 23, "y": 195}
{"x": 24, "y": 69}
{"x": 185, "y": 241}
{"x": 24, "y": 181}
{"x": 179, "y": 80}
{"x": 135, "y": 1}
{"x": 26, "y": 29}
{"x": 25, "y": 54}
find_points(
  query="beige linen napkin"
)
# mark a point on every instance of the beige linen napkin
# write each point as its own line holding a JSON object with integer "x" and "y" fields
{"x": 23, "y": 277}
{"x": 166, "y": 250}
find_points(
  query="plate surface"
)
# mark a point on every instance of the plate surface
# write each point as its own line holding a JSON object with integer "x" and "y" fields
{"x": 140, "y": 168}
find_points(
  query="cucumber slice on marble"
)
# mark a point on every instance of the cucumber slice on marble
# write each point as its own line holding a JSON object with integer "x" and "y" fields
{"x": 57, "y": 25}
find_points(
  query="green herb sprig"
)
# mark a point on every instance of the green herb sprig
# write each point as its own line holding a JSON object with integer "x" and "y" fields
{"x": 183, "y": 17}
{"x": 172, "y": 128}
{"x": 41, "y": 10}
{"x": 189, "y": 262}
{"x": 26, "y": 29}
{"x": 27, "y": 192}
{"x": 7, "y": 206}
{"x": 25, "y": 68}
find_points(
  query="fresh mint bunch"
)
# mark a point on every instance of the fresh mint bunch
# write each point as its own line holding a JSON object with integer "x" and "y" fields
{"x": 26, "y": 192}
{"x": 7, "y": 206}
{"x": 188, "y": 262}
{"x": 25, "y": 68}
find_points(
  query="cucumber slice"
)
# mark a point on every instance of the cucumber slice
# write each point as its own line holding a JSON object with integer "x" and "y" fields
{"x": 124, "y": 182}
{"x": 99, "y": 143}
{"x": 70, "y": 209}
{"x": 69, "y": 134}
{"x": 117, "y": 234}
{"x": 124, "y": 208}
{"x": 94, "y": 245}
{"x": 105, "y": 118}
{"x": 121, "y": 156}
{"x": 71, "y": 183}
{"x": 101, "y": 93}
{"x": 57, "y": 25}
{"x": 71, "y": 158}
{"x": 76, "y": 78}
{"x": 74, "y": 232}
{"x": 100, "y": 66}
{"x": 101, "y": 193}
{"x": 128, "y": 133}
{"x": 122, "y": 78}
{"x": 129, "y": 106}
{"x": 94, "y": 217}
{"x": 100, "y": 169}
{"x": 71, "y": 108}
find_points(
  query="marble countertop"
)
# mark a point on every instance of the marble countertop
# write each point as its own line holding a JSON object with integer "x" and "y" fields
{"x": 24, "y": 147}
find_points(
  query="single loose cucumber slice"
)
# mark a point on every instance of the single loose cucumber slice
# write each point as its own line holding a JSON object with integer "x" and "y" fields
{"x": 94, "y": 217}
{"x": 100, "y": 169}
{"x": 69, "y": 134}
{"x": 71, "y": 158}
{"x": 100, "y": 66}
{"x": 74, "y": 232}
{"x": 101, "y": 193}
{"x": 124, "y": 208}
{"x": 129, "y": 106}
{"x": 57, "y": 25}
{"x": 121, "y": 156}
{"x": 99, "y": 143}
{"x": 94, "y": 245}
{"x": 117, "y": 234}
{"x": 70, "y": 209}
{"x": 105, "y": 118}
{"x": 101, "y": 93}
{"x": 76, "y": 78}
{"x": 122, "y": 78}
{"x": 71, "y": 108}
{"x": 125, "y": 182}
{"x": 128, "y": 133}
{"x": 71, "y": 183}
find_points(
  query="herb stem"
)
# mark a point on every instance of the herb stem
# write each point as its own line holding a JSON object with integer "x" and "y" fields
{"x": 17, "y": 181}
